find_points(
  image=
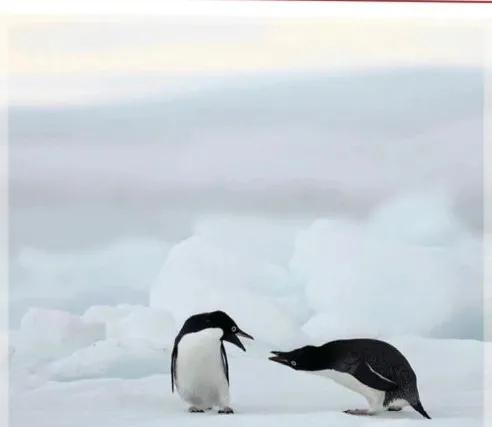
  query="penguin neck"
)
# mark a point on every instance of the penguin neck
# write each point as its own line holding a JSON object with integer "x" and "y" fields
{"x": 323, "y": 358}
{"x": 210, "y": 334}
{"x": 206, "y": 338}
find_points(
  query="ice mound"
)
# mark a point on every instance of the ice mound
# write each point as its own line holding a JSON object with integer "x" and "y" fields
{"x": 155, "y": 327}
{"x": 425, "y": 219}
{"x": 256, "y": 314}
{"x": 328, "y": 326}
{"x": 122, "y": 341}
{"x": 409, "y": 269}
{"x": 269, "y": 240}
{"x": 131, "y": 263}
{"x": 107, "y": 314}
{"x": 259, "y": 316}
{"x": 237, "y": 267}
{"x": 111, "y": 358}
{"x": 50, "y": 334}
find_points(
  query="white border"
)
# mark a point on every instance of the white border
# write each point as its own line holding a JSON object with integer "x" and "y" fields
{"x": 437, "y": 12}
{"x": 4, "y": 350}
{"x": 487, "y": 222}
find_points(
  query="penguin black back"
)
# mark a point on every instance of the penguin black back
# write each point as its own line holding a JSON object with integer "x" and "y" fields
{"x": 375, "y": 364}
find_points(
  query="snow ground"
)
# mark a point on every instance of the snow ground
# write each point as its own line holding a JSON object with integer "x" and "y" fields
{"x": 288, "y": 283}
{"x": 450, "y": 376}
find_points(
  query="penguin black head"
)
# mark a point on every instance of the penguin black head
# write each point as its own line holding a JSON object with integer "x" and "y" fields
{"x": 300, "y": 359}
{"x": 216, "y": 319}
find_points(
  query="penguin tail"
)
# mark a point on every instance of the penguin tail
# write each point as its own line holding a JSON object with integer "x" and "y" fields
{"x": 420, "y": 409}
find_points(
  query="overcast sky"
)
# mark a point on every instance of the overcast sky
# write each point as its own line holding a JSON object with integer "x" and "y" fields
{"x": 56, "y": 60}
{"x": 260, "y": 115}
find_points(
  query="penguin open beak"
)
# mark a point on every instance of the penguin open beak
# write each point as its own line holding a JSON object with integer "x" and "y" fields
{"x": 279, "y": 358}
{"x": 244, "y": 334}
{"x": 233, "y": 338}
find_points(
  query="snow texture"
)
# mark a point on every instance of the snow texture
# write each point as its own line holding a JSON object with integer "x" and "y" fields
{"x": 410, "y": 268}
{"x": 264, "y": 393}
{"x": 50, "y": 334}
{"x": 129, "y": 263}
{"x": 333, "y": 277}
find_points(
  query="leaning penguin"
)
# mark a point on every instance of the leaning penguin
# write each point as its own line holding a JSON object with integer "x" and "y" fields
{"x": 199, "y": 366}
{"x": 373, "y": 368}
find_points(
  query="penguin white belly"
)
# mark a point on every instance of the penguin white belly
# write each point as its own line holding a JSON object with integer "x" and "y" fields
{"x": 373, "y": 396}
{"x": 201, "y": 380}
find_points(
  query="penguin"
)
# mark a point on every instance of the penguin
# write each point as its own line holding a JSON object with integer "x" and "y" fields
{"x": 199, "y": 366}
{"x": 372, "y": 368}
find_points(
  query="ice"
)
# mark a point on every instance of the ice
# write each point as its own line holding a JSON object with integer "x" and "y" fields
{"x": 259, "y": 316}
{"x": 134, "y": 322}
{"x": 111, "y": 358}
{"x": 265, "y": 394}
{"x": 268, "y": 240}
{"x": 107, "y": 314}
{"x": 251, "y": 311}
{"x": 50, "y": 334}
{"x": 129, "y": 263}
{"x": 333, "y": 277}
{"x": 153, "y": 326}
{"x": 423, "y": 218}
{"x": 122, "y": 341}
{"x": 325, "y": 326}
{"x": 410, "y": 268}
{"x": 236, "y": 266}
{"x": 116, "y": 273}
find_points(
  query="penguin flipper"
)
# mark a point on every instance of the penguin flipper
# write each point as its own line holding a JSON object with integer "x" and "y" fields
{"x": 225, "y": 363}
{"x": 368, "y": 376}
{"x": 174, "y": 357}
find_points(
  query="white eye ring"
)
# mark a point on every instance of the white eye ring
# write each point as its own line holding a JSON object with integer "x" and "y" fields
{"x": 233, "y": 329}
{"x": 293, "y": 363}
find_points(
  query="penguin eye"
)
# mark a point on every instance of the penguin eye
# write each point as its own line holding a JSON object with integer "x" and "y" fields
{"x": 233, "y": 329}
{"x": 293, "y": 363}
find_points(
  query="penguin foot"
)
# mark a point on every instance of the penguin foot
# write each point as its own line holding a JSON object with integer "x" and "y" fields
{"x": 194, "y": 410}
{"x": 358, "y": 412}
{"x": 226, "y": 410}
{"x": 394, "y": 409}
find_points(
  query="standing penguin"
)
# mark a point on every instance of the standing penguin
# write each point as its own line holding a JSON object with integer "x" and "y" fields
{"x": 199, "y": 361}
{"x": 372, "y": 368}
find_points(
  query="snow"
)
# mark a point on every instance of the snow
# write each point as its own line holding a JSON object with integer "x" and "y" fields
{"x": 129, "y": 322}
{"x": 50, "y": 334}
{"x": 410, "y": 256}
{"x": 155, "y": 327}
{"x": 123, "y": 341}
{"x": 106, "y": 314}
{"x": 264, "y": 393}
{"x": 314, "y": 220}
{"x": 426, "y": 219}
{"x": 228, "y": 264}
{"x": 109, "y": 358}
{"x": 409, "y": 269}
{"x": 135, "y": 259}
{"x": 332, "y": 276}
